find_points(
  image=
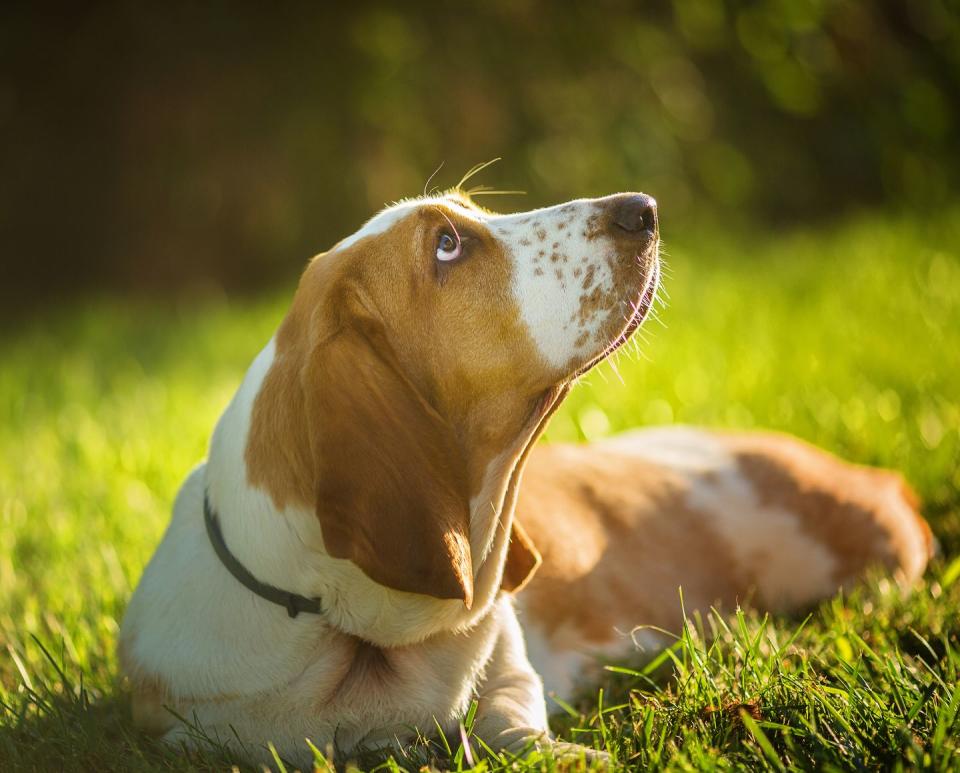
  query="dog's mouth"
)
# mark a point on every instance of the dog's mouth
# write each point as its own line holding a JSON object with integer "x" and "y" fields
{"x": 640, "y": 309}
{"x": 642, "y": 306}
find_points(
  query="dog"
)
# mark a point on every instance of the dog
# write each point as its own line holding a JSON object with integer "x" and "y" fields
{"x": 344, "y": 565}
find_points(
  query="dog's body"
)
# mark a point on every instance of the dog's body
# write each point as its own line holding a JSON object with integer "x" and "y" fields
{"x": 731, "y": 518}
{"x": 372, "y": 459}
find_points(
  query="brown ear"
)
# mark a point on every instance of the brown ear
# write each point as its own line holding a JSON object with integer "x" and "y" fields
{"x": 392, "y": 492}
{"x": 523, "y": 560}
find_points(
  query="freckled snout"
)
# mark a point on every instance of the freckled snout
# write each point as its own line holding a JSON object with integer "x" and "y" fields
{"x": 586, "y": 274}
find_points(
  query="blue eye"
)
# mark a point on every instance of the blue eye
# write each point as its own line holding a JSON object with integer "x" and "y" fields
{"x": 448, "y": 248}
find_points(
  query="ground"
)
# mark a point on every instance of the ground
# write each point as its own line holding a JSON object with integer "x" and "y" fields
{"x": 848, "y": 337}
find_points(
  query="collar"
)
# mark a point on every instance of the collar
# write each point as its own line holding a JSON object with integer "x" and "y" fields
{"x": 294, "y": 603}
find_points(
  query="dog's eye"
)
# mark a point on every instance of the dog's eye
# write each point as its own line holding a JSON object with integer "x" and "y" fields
{"x": 448, "y": 248}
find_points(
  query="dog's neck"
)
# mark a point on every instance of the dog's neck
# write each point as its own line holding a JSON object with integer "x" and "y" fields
{"x": 285, "y": 547}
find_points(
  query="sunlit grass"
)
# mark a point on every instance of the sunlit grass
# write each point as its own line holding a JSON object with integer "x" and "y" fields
{"x": 850, "y": 339}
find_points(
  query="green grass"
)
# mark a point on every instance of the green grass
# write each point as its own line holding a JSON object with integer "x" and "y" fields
{"x": 849, "y": 338}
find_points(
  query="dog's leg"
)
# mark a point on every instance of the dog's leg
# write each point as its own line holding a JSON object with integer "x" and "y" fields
{"x": 512, "y": 712}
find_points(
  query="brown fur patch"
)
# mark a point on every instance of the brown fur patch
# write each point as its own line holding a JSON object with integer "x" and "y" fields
{"x": 588, "y": 279}
{"x": 617, "y": 540}
{"x": 151, "y": 710}
{"x": 395, "y": 501}
{"x": 594, "y": 229}
{"x": 385, "y": 403}
{"x": 150, "y": 697}
{"x": 592, "y": 303}
{"x": 368, "y": 667}
{"x": 523, "y": 559}
{"x": 637, "y": 539}
{"x": 842, "y": 506}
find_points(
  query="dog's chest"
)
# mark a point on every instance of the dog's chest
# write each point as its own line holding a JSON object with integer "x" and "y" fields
{"x": 360, "y": 686}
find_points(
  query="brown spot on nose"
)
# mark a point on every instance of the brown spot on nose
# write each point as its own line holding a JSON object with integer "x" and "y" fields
{"x": 594, "y": 228}
{"x": 590, "y": 304}
{"x": 588, "y": 279}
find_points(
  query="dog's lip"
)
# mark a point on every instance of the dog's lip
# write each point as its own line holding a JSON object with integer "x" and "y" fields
{"x": 547, "y": 400}
{"x": 640, "y": 310}
{"x": 643, "y": 305}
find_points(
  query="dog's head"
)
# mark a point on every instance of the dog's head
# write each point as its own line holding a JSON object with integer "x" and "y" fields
{"x": 417, "y": 365}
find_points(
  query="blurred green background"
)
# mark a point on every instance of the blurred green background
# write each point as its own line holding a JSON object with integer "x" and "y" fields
{"x": 166, "y": 170}
{"x": 161, "y": 147}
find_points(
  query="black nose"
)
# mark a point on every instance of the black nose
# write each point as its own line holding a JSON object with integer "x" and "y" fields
{"x": 636, "y": 213}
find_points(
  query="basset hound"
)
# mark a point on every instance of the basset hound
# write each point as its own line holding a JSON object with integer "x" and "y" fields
{"x": 347, "y": 564}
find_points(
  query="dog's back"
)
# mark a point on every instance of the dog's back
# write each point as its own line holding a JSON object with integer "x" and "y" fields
{"x": 755, "y": 518}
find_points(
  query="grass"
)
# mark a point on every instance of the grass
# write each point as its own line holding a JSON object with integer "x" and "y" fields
{"x": 850, "y": 339}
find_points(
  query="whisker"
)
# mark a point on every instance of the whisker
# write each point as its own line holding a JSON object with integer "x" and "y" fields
{"x": 482, "y": 191}
{"x": 455, "y": 231}
{"x": 475, "y": 169}
{"x": 427, "y": 183}
{"x": 613, "y": 366}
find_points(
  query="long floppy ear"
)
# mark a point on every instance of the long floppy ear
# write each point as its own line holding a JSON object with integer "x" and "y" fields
{"x": 392, "y": 492}
{"x": 523, "y": 560}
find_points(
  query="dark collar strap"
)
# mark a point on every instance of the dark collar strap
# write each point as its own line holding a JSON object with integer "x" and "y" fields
{"x": 294, "y": 603}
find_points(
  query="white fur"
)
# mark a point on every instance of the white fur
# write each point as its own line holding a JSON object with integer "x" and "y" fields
{"x": 561, "y": 668}
{"x": 234, "y": 661}
{"x": 566, "y": 661}
{"x": 378, "y": 224}
{"x": 550, "y": 291}
{"x": 387, "y": 218}
{"x": 551, "y": 259}
{"x": 788, "y": 566}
